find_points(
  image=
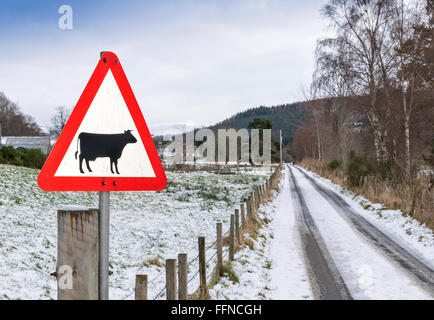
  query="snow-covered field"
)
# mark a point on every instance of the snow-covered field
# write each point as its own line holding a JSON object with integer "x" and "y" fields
{"x": 144, "y": 225}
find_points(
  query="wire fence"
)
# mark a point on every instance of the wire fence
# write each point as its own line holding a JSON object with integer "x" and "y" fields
{"x": 196, "y": 273}
{"x": 211, "y": 262}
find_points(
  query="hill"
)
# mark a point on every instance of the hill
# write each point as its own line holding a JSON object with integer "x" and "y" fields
{"x": 286, "y": 117}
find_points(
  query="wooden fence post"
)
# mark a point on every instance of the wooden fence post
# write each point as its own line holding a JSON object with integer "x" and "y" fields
{"x": 77, "y": 254}
{"x": 375, "y": 186}
{"x": 243, "y": 217}
{"x": 249, "y": 209}
{"x": 171, "y": 279}
{"x": 258, "y": 200}
{"x": 432, "y": 200}
{"x": 237, "y": 225}
{"x": 203, "y": 289}
{"x": 422, "y": 200}
{"x": 254, "y": 199}
{"x": 182, "y": 276}
{"x": 219, "y": 244}
{"x": 232, "y": 238}
{"x": 413, "y": 201}
{"x": 141, "y": 291}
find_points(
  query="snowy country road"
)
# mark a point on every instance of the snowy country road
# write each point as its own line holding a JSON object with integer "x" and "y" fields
{"x": 345, "y": 255}
{"x": 413, "y": 265}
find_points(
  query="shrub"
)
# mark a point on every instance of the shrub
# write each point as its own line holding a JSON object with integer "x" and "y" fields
{"x": 31, "y": 158}
{"x": 357, "y": 167}
{"x": 334, "y": 164}
{"x": 229, "y": 272}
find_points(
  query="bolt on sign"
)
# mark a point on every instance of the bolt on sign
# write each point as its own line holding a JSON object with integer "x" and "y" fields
{"x": 106, "y": 144}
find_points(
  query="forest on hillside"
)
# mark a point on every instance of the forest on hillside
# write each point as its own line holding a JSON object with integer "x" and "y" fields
{"x": 286, "y": 117}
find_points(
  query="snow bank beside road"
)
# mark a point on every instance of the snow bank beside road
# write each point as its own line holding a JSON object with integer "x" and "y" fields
{"x": 368, "y": 273}
{"x": 275, "y": 269}
{"x": 405, "y": 230}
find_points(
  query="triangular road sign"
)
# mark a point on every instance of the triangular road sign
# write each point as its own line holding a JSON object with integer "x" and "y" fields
{"x": 106, "y": 144}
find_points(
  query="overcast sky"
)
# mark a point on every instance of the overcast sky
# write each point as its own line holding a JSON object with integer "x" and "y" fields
{"x": 198, "y": 61}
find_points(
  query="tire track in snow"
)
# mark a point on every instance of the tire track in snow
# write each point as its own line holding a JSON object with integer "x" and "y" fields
{"x": 366, "y": 270}
{"x": 405, "y": 259}
{"x": 289, "y": 275}
{"x": 327, "y": 283}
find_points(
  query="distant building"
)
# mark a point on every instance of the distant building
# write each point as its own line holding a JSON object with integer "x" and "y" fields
{"x": 43, "y": 143}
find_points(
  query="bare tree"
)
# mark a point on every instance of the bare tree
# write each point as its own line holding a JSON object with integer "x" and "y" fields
{"x": 411, "y": 34}
{"x": 13, "y": 122}
{"x": 357, "y": 56}
{"x": 59, "y": 119}
{"x": 373, "y": 87}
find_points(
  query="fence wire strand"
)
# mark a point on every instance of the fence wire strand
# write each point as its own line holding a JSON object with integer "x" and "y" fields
{"x": 225, "y": 255}
{"x": 128, "y": 295}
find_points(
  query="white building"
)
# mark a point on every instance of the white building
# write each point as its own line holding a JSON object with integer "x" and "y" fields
{"x": 43, "y": 143}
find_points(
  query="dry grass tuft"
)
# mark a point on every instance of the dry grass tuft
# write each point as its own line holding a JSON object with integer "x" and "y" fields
{"x": 153, "y": 261}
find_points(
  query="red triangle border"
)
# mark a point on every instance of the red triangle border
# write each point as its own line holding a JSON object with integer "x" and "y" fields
{"x": 46, "y": 179}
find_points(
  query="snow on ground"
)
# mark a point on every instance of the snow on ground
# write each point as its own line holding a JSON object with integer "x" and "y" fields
{"x": 159, "y": 225}
{"x": 289, "y": 275}
{"x": 275, "y": 269}
{"x": 407, "y": 231}
{"x": 143, "y": 225}
{"x": 252, "y": 265}
{"x": 252, "y": 268}
{"x": 367, "y": 272}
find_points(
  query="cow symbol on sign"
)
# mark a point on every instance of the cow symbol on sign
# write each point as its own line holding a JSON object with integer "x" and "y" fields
{"x": 97, "y": 145}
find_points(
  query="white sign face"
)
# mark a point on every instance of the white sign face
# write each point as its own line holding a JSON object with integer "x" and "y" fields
{"x": 107, "y": 143}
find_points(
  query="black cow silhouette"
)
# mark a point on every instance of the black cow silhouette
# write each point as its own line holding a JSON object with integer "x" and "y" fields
{"x": 96, "y": 145}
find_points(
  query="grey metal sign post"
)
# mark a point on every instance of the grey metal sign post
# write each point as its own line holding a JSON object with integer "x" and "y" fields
{"x": 104, "y": 231}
